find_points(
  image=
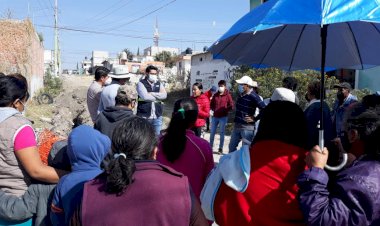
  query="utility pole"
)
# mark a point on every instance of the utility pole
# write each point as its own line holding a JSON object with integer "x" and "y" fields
{"x": 56, "y": 48}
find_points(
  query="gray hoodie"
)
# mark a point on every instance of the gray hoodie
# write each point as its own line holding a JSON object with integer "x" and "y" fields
{"x": 6, "y": 112}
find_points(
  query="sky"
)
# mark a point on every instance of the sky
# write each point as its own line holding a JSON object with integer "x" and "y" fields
{"x": 181, "y": 23}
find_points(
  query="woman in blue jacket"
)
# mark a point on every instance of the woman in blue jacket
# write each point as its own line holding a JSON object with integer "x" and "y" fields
{"x": 353, "y": 198}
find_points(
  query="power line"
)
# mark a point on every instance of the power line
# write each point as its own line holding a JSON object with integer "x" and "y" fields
{"x": 125, "y": 35}
{"x": 126, "y": 3}
{"x": 100, "y": 13}
{"x": 106, "y": 23}
{"x": 143, "y": 16}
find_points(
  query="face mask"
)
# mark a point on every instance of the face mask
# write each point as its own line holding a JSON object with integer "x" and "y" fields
{"x": 307, "y": 97}
{"x": 340, "y": 95}
{"x": 24, "y": 108}
{"x": 108, "y": 81}
{"x": 345, "y": 141}
{"x": 240, "y": 88}
{"x": 221, "y": 89}
{"x": 153, "y": 78}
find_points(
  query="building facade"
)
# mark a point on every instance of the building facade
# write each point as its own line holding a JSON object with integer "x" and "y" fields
{"x": 154, "y": 50}
{"x": 209, "y": 71}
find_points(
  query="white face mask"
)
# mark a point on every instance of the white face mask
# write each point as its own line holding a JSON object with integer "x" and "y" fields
{"x": 153, "y": 78}
{"x": 221, "y": 89}
{"x": 108, "y": 81}
{"x": 24, "y": 108}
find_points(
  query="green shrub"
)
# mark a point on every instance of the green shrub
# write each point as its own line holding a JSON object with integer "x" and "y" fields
{"x": 271, "y": 78}
{"x": 52, "y": 85}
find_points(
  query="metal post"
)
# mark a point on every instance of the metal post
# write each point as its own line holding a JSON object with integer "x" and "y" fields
{"x": 56, "y": 69}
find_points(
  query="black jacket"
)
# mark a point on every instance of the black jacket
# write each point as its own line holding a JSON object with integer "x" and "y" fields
{"x": 108, "y": 119}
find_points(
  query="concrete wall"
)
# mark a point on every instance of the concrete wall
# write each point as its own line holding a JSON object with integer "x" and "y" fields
{"x": 98, "y": 57}
{"x": 369, "y": 79}
{"x": 208, "y": 71}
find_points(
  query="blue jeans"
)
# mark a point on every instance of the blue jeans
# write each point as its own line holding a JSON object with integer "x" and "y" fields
{"x": 246, "y": 136}
{"x": 157, "y": 124}
{"x": 215, "y": 121}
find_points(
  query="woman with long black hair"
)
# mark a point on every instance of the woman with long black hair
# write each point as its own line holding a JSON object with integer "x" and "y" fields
{"x": 135, "y": 189}
{"x": 182, "y": 150}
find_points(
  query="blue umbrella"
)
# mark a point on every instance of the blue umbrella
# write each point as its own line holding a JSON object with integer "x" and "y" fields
{"x": 305, "y": 34}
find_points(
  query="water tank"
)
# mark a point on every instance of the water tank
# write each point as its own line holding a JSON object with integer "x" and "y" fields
{"x": 123, "y": 55}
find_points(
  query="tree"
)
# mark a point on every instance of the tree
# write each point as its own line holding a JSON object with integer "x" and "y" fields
{"x": 167, "y": 58}
{"x": 7, "y": 14}
{"x": 129, "y": 54}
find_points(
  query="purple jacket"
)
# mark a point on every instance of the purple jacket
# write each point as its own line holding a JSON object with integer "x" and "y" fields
{"x": 158, "y": 196}
{"x": 353, "y": 199}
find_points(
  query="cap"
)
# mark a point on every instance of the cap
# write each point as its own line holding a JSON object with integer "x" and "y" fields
{"x": 247, "y": 80}
{"x": 345, "y": 85}
{"x": 119, "y": 72}
{"x": 127, "y": 90}
{"x": 213, "y": 89}
{"x": 283, "y": 94}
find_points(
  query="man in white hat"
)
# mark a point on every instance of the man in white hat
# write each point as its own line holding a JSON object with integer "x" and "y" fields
{"x": 120, "y": 76}
{"x": 151, "y": 94}
{"x": 246, "y": 105}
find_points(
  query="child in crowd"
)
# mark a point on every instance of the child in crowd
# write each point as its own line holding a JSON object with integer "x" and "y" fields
{"x": 85, "y": 158}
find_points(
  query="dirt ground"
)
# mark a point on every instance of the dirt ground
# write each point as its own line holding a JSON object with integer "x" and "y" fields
{"x": 69, "y": 107}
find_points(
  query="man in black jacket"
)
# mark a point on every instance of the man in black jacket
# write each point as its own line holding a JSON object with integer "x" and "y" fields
{"x": 125, "y": 102}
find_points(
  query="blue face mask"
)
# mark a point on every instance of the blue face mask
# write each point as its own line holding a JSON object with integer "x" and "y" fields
{"x": 240, "y": 88}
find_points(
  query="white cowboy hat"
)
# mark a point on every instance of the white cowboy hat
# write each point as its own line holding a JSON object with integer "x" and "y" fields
{"x": 247, "y": 80}
{"x": 119, "y": 72}
{"x": 283, "y": 94}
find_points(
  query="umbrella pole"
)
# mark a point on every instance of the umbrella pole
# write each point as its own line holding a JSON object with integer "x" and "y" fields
{"x": 322, "y": 93}
{"x": 321, "y": 131}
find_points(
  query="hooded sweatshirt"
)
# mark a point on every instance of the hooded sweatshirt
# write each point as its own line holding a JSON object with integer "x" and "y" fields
{"x": 85, "y": 158}
{"x": 110, "y": 118}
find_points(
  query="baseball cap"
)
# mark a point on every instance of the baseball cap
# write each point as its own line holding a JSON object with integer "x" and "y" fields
{"x": 213, "y": 89}
{"x": 345, "y": 85}
{"x": 127, "y": 90}
{"x": 247, "y": 80}
{"x": 283, "y": 94}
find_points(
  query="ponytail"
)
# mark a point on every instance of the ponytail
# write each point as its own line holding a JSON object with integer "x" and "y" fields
{"x": 119, "y": 174}
{"x": 184, "y": 116}
{"x": 133, "y": 139}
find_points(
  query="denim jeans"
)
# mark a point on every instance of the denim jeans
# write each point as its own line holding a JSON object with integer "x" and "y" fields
{"x": 215, "y": 121}
{"x": 238, "y": 134}
{"x": 157, "y": 124}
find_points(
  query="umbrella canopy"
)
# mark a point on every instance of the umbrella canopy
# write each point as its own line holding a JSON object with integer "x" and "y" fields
{"x": 286, "y": 34}
{"x": 306, "y": 34}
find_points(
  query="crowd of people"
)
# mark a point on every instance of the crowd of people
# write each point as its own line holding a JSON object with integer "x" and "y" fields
{"x": 126, "y": 170}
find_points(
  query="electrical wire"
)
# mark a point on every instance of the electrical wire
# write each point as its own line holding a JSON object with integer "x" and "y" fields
{"x": 141, "y": 17}
{"x": 94, "y": 17}
{"x": 125, "y": 35}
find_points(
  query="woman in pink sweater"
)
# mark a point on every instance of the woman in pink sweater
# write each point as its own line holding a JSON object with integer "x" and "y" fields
{"x": 182, "y": 150}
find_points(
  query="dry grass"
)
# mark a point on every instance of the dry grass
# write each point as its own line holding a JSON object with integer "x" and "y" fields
{"x": 36, "y": 113}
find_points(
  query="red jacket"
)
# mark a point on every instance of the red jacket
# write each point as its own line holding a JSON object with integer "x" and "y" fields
{"x": 221, "y": 104}
{"x": 203, "y": 109}
{"x": 270, "y": 198}
{"x": 208, "y": 94}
